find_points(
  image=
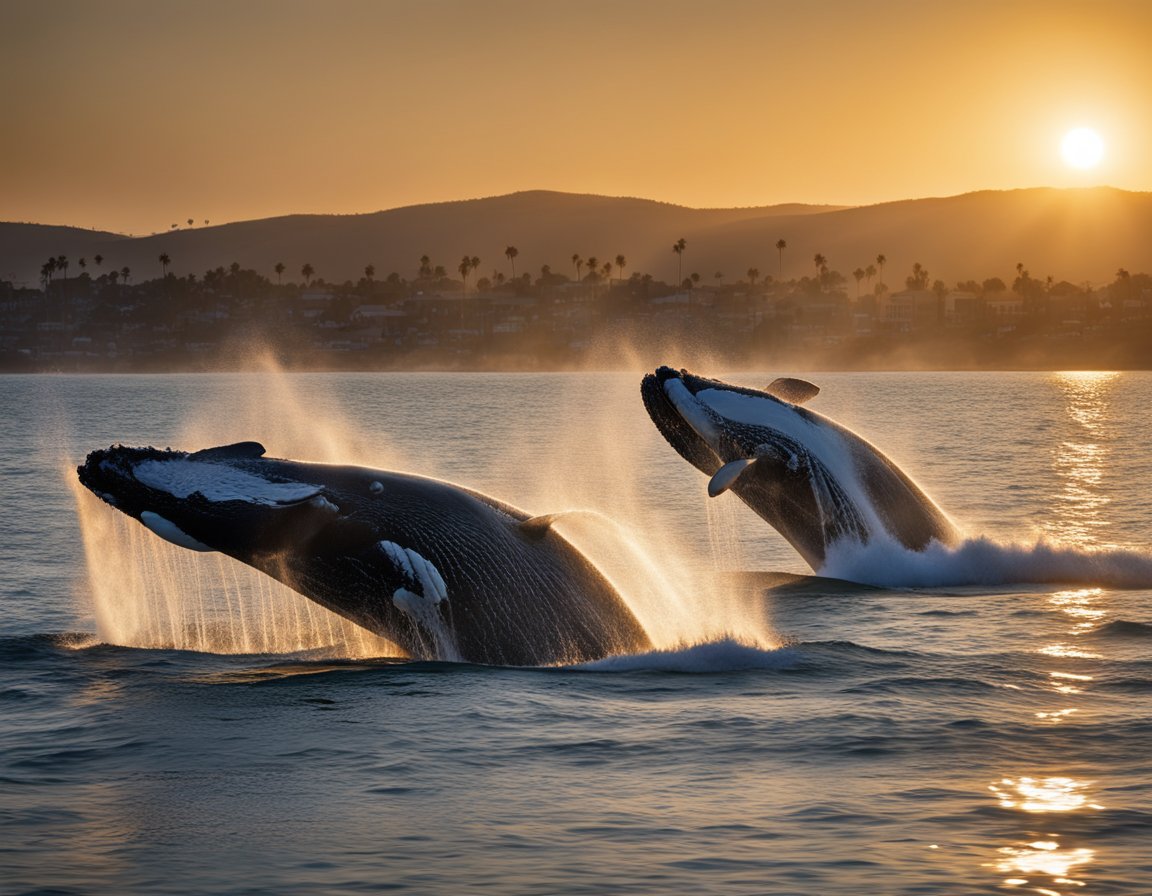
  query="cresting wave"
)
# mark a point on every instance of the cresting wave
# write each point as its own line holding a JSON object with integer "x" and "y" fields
{"x": 984, "y": 561}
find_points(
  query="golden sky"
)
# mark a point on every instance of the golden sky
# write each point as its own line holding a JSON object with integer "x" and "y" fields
{"x": 131, "y": 115}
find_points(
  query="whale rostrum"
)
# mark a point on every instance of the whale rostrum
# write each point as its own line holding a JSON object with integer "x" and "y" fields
{"x": 813, "y": 480}
{"x": 440, "y": 570}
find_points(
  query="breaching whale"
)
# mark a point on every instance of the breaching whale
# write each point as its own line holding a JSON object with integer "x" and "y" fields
{"x": 814, "y": 481}
{"x": 442, "y": 571}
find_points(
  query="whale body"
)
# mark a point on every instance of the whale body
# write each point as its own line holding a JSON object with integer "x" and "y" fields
{"x": 816, "y": 482}
{"x": 442, "y": 571}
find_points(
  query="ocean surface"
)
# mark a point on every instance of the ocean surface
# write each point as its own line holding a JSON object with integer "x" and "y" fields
{"x": 977, "y": 720}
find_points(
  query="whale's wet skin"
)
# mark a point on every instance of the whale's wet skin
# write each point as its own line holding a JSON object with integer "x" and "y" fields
{"x": 442, "y": 571}
{"x": 814, "y": 481}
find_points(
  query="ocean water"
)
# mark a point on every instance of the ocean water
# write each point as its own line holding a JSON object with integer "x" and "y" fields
{"x": 966, "y": 721}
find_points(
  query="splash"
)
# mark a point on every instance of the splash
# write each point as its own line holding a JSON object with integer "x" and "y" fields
{"x": 627, "y": 533}
{"x": 719, "y": 656}
{"x": 984, "y": 561}
{"x": 147, "y": 593}
{"x": 144, "y": 592}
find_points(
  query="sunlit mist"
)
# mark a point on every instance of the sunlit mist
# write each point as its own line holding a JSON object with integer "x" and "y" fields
{"x": 147, "y": 593}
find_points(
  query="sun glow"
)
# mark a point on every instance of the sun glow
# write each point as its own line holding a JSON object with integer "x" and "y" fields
{"x": 1082, "y": 148}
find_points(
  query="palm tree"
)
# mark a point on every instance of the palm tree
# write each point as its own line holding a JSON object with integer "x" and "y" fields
{"x": 425, "y": 267}
{"x": 859, "y": 275}
{"x": 578, "y": 262}
{"x": 591, "y": 262}
{"x": 621, "y": 263}
{"x": 164, "y": 262}
{"x": 83, "y": 262}
{"x": 306, "y": 272}
{"x": 99, "y": 259}
{"x": 466, "y": 266}
{"x": 678, "y": 247}
{"x": 870, "y": 272}
{"x": 279, "y": 269}
{"x": 126, "y": 273}
{"x": 753, "y": 275}
{"x": 881, "y": 260}
{"x": 607, "y": 269}
{"x": 369, "y": 272}
{"x": 512, "y": 252}
{"x": 781, "y": 245}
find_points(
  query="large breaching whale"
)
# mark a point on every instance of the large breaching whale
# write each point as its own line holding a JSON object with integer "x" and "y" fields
{"x": 813, "y": 480}
{"x": 441, "y": 571}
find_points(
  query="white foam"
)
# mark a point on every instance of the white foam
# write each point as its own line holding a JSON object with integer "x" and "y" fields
{"x": 983, "y": 561}
{"x": 722, "y": 655}
{"x": 219, "y": 482}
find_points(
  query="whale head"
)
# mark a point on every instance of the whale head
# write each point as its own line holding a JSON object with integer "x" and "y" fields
{"x": 814, "y": 481}
{"x": 211, "y": 500}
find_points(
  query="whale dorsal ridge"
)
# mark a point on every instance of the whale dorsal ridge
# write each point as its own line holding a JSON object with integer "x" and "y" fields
{"x": 236, "y": 451}
{"x": 792, "y": 390}
{"x": 537, "y": 527}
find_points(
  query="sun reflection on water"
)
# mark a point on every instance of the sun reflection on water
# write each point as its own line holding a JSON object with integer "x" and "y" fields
{"x": 1022, "y": 863}
{"x": 1081, "y": 460}
{"x": 1042, "y": 795}
{"x": 1042, "y": 858}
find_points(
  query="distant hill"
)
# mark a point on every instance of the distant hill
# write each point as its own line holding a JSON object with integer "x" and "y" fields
{"x": 1075, "y": 234}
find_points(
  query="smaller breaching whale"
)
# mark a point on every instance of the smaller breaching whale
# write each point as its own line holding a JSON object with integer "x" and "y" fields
{"x": 442, "y": 571}
{"x": 811, "y": 479}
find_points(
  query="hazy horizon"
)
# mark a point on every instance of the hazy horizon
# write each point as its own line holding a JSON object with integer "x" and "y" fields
{"x": 132, "y": 116}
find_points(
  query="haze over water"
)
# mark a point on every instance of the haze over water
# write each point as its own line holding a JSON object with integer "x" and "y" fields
{"x": 962, "y": 738}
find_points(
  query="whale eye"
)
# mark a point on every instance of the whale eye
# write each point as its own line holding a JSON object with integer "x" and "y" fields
{"x": 376, "y": 487}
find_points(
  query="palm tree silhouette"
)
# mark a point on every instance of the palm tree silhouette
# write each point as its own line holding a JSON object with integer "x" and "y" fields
{"x": 881, "y": 260}
{"x": 99, "y": 259}
{"x": 306, "y": 272}
{"x": 512, "y": 252}
{"x": 164, "y": 262}
{"x": 753, "y": 275}
{"x": 279, "y": 269}
{"x": 678, "y": 247}
{"x": 577, "y": 261}
{"x": 621, "y": 263}
{"x": 369, "y": 272}
{"x": 859, "y": 275}
{"x": 781, "y": 245}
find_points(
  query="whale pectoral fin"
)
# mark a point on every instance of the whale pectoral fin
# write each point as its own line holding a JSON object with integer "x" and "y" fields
{"x": 171, "y": 533}
{"x": 792, "y": 390}
{"x": 237, "y": 451}
{"x": 727, "y": 475}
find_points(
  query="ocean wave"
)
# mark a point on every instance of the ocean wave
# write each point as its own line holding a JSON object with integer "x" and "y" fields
{"x": 722, "y": 655}
{"x": 984, "y": 561}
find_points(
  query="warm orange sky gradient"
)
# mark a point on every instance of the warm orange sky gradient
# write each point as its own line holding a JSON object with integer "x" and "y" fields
{"x": 130, "y": 115}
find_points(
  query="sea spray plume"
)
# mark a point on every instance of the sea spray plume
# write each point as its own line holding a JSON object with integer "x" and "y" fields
{"x": 442, "y": 571}
{"x": 817, "y": 483}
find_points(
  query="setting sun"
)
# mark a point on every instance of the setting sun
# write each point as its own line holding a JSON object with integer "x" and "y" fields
{"x": 1082, "y": 148}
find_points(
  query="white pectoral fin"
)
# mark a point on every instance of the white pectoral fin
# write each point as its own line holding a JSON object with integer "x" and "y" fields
{"x": 726, "y": 476}
{"x": 170, "y": 532}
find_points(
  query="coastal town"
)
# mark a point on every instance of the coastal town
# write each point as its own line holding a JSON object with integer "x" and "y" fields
{"x": 474, "y": 315}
